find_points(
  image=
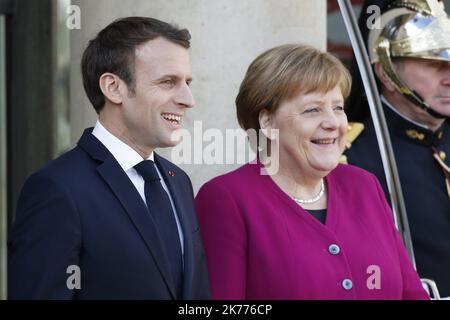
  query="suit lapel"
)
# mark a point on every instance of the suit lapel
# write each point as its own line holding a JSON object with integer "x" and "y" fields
{"x": 128, "y": 196}
{"x": 183, "y": 210}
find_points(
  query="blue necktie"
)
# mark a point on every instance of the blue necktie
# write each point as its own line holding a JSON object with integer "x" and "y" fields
{"x": 158, "y": 204}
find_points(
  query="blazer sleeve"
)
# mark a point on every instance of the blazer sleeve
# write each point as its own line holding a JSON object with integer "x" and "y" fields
{"x": 44, "y": 241}
{"x": 224, "y": 237}
{"x": 412, "y": 286}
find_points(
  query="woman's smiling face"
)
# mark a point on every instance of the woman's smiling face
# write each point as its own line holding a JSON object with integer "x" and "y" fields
{"x": 312, "y": 129}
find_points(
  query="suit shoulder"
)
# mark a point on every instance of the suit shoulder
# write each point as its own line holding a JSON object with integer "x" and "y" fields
{"x": 52, "y": 183}
{"x": 240, "y": 174}
{"x": 66, "y": 165}
{"x": 352, "y": 174}
{"x": 239, "y": 179}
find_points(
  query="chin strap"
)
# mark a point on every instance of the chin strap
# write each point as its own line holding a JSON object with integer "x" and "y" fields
{"x": 423, "y": 105}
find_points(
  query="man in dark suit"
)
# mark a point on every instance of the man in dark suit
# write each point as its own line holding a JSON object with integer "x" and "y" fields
{"x": 111, "y": 219}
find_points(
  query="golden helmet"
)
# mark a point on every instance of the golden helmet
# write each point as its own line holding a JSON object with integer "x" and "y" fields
{"x": 414, "y": 29}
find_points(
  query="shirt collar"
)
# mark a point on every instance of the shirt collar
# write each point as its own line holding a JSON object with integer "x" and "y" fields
{"x": 126, "y": 156}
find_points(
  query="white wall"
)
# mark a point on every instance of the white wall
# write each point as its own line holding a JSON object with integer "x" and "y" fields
{"x": 226, "y": 37}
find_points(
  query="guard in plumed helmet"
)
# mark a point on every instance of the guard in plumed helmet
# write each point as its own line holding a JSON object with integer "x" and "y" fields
{"x": 409, "y": 47}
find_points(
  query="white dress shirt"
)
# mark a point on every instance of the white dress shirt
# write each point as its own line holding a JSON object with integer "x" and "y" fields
{"x": 127, "y": 158}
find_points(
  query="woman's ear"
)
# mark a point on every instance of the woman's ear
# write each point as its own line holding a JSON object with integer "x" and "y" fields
{"x": 110, "y": 84}
{"x": 265, "y": 123}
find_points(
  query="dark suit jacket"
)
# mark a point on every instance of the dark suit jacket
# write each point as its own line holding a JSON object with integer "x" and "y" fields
{"x": 82, "y": 209}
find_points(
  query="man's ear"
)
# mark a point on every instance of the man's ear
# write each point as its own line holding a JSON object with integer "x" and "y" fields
{"x": 112, "y": 87}
{"x": 265, "y": 123}
{"x": 383, "y": 78}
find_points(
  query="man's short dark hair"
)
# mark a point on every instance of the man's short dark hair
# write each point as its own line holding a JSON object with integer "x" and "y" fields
{"x": 113, "y": 50}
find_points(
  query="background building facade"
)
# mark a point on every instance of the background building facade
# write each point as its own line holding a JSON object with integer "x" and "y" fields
{"x": 43, "y": 107}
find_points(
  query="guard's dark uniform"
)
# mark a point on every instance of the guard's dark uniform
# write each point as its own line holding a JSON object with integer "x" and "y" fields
{"x": 424, "y": 187}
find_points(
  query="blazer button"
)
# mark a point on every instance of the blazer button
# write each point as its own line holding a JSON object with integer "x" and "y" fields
{"x": 347, "y": 284}
{"x": 334, "y": 249}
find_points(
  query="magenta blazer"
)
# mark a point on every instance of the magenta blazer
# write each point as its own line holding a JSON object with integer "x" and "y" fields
{"x": 261, "y": 245}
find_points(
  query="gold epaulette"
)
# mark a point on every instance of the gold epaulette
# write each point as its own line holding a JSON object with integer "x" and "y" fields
{"x": 354, "y": 129}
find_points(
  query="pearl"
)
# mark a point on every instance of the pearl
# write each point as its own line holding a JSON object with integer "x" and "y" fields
{"x": 315, "y": 198}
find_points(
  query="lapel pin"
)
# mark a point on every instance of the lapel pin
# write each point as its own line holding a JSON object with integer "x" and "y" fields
{"x": 171, "y": 173}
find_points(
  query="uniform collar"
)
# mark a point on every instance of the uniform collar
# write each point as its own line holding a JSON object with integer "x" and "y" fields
{"x": 410, "y": 130}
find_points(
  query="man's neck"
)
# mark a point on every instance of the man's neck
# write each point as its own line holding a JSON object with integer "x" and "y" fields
{"x": 411, "y": 112}
{"x": 122, "y": 133}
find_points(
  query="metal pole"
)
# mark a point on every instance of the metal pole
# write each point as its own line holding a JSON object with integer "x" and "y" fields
{"x": 381, "y": 129}
{"x": 3, "y": 172}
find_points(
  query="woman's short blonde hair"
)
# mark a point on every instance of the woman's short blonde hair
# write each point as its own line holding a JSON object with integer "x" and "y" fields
{"x": 283, "y": 72}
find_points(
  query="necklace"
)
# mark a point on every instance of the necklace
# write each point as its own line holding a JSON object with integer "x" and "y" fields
{"x": 315, "y": 198}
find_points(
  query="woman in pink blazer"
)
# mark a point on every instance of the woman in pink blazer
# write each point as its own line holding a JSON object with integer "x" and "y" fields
{"x": 295, "y": 224}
